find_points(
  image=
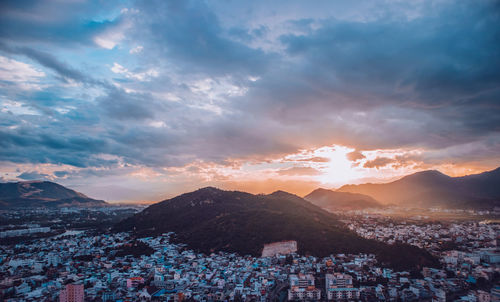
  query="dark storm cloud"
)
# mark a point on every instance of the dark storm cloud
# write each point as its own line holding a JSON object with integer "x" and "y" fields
{"x": 443, "y": 67}
{"x": 445, "y": 54}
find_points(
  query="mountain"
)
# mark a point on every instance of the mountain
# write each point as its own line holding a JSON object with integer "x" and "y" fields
{"x": 433, "y": 188}
{"x": 334, "y": 201}
{"x": 42, "y": 194}
{"x": 210, "y": 220}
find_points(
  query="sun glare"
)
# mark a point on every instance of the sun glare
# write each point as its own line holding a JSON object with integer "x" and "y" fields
{"x": 339, "y": 170}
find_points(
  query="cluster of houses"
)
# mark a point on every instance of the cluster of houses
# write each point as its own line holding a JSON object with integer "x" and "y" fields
{"x": 86, "y": 266}
{"x": 24, "y": 231}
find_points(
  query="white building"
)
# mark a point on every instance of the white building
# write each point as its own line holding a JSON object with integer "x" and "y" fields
{"x": 339, "y": 287}
{"x": 302, "y": 288}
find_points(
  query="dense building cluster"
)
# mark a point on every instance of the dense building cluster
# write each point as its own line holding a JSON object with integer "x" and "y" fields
{"x": 466, "y": 235}
{"x": 96, "y": 266}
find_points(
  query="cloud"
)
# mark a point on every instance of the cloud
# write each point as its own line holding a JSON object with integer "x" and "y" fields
{"x": 140, "y": 76}
{"x": 27, "y": 145}
{"x": 174, "y": 83}
{"x": 297, "y": 171}
{"x": 20, "y": 74}
{"x": 355, "y": 155}
{"x": 342, "y": 71}
{"x": 61, "y": 174}
{"x": 316, "y": 159}
{"x": 137, "y": 49}
{"x": 121, "y": 105}
{"x": 191, "y": 35}
{"x": 54, "y": 22}
{"x": 378, "y": 162}
{"x": 33, "y": 175}
{"x": 63, "y": 70}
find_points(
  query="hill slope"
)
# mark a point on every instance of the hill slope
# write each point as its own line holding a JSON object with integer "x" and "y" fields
{"x": 432, "y": 188}
{"x": 334, "y": 201}
{"x": 210, "y": 220}
{"x": 42, "y": 194}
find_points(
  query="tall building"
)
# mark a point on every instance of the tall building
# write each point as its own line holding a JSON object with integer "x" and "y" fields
{"x": 72, "y": 293}
{"x": 302, "y": 288}
{"x": 339, "y": 287}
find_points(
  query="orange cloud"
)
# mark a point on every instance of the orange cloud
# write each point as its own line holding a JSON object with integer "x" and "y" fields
{"x": 378, "y": 162}
{"x": 316, "y": 159}
{"x": 299, "y": 171}
{"x": 355, "y": 155}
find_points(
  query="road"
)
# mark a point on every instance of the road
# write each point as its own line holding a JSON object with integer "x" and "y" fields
{"x": 274, "y": 295}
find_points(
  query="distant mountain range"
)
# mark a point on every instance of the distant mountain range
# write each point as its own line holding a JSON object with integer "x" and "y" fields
{"x": 42, "y": 194}
{"x": 433, "y": 188}
{"x": 211, "y": 220}
{"x": 334, "y": 201}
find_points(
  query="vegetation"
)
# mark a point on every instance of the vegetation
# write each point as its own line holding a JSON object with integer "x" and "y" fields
{"x": 211, "y": 220}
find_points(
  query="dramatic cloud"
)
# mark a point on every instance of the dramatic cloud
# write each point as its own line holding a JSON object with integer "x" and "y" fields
{"x": 169, "y": 95}
{"x": 378, "y": 162}
{"x": 355, "y": 155}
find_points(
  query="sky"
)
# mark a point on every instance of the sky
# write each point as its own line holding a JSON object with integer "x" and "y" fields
{"x": 136, "y": 101}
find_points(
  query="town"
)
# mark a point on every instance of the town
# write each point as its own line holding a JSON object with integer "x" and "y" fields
{"x": 256, "y": 151}
{"x": 91, "y": 265}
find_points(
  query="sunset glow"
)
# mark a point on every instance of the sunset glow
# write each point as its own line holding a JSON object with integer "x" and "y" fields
{"x": 285, "y": 150}
{"x": 128, "y": 104}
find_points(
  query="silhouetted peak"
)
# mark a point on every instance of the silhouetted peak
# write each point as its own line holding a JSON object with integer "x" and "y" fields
{"x": 430, "y": 172}
{"x": 321, "y": 191}
{"x": 426, "y": 175}
{"x": 494, "y": 172}
{"x": 283, "y": 194}
{"x": 433, "y": 188}
{"x": 42, "y": 193}
{"x": 209, "y": 190}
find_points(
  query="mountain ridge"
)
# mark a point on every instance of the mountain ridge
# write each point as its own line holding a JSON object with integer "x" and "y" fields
{"x": 210, "y": 220}
{"x": 433, "y": 188}
{"x": 333, "y": 201}
{"x": 39, "y": 193}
